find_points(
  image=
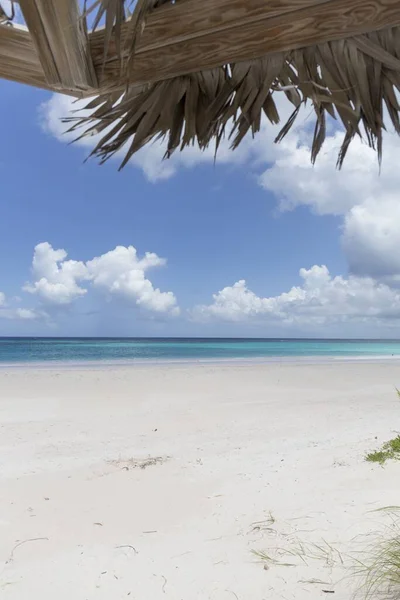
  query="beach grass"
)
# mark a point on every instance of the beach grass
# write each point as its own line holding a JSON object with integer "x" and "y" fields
{"x": 389, "y": 450}
{"x": 380, "y": 569}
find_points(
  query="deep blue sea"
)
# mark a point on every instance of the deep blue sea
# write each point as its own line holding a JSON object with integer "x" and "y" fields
{"x": 126, "y": 350}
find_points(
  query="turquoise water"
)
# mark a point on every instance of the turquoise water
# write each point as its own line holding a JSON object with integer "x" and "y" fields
{"x": 78, "y": 350}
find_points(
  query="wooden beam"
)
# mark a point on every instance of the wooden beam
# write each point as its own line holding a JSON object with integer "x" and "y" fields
{"x": 61, "y": 42}
{"x": 178, "y": 38}
{"x": 190, "y": 36}
{"x": 18, "y": 58}
{"x": 198, "y": 19}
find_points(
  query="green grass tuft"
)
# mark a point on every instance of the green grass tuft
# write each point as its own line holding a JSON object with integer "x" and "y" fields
{"x": 379, "y": 456}
{"x": 394, "y": 445}
{"x": 269, "y": 560}
{"x": 381, "y": 570}
{"x": 389, "y": 450}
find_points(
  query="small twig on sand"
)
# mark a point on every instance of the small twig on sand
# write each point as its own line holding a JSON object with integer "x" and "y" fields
{"x": 128, "y": 546}
{"x": 231, "y": 592}
{"x": 183, "y": 554}
{"x": 11, "y": 557}
{"x": 164, "y": 584}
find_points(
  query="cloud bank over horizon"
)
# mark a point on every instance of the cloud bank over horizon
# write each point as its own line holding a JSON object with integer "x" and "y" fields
{"x": 363, "y": 199}
{"x": 59, "y": 283}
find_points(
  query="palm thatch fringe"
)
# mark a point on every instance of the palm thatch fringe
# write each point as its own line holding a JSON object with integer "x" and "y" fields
{"x": 350, "y": 80}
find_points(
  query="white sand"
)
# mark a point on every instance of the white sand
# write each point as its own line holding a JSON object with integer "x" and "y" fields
{"x": 238, "y": 443}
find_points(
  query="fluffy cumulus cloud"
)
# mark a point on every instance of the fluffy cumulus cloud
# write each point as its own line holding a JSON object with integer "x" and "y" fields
{"x": 55, "y": 278}
{"x": 364, "y": 197}
{"x": 321, "y": 187}
{"x": 371, "y": 237}
{"x": 321, "y": 299}
{"x": 59, "y": 282}
{"x": 122, "y": 272}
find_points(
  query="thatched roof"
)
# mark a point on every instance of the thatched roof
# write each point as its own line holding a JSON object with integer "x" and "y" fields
{"x": 174, "y": 70}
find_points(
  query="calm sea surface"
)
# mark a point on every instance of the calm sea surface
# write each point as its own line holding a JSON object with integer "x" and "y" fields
{"x": 77, "y": 350}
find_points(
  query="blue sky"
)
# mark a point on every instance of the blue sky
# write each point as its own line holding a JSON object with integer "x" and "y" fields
{"x": 259, "y": 215}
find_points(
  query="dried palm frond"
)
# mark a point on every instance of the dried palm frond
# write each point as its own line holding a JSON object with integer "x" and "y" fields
{"x": 351, "y": 80}
{"x": 115, "y": 13}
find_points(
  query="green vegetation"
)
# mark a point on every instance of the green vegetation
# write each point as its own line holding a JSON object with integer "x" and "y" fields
{"x": 380, "y": 569}
{"x": 383, "y": 574}
{"x": 268, "y": 560}
{"x": 371, "y": 571}
{"x": 389, "y": 450}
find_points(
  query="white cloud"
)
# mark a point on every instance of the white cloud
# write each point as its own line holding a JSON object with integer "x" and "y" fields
{"x": 367, "y": 199}
{"x": 7, "y": 312}
{"x": 321, "y": 299}
{"x": 371, "y": 237}
{"x": 295, "y": 181}
{"x": 57, "y": 281}
{"x": 121, "y": 272}
{"x": 27, "y": 314}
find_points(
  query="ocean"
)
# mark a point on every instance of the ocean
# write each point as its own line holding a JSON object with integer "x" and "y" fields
{"x": 14, "y": 351}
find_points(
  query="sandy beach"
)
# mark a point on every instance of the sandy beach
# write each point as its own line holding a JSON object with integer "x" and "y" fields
{"x": 164, "y": 481}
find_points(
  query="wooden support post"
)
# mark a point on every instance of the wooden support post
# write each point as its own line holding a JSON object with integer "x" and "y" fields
{"x": 18, "y": 59}
{"x": 62, "y": 45}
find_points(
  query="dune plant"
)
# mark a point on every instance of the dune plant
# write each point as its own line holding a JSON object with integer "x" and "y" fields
{"x": 379, "y": 565}
{"x": 389, "y": 450}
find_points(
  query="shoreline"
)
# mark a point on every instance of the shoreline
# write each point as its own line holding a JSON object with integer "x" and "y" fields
{"x": 189, "y": 362}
